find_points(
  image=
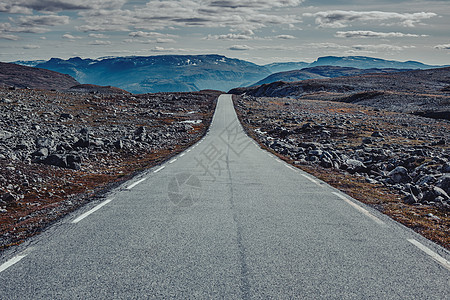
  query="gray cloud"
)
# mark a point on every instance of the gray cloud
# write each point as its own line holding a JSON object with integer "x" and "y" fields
{"x": 261, "y": 4}
{"x": 27, "y": 6}
{"x": 157, "y": 15}
{"x": 240, "y": 48}
{"x": 44, "y": 20}
{"x": 380, "y": 47}
{"x": 285, "y": 37}
{"x": 98, "y": 35}
{"x": 230, "y": 37}
{"x": 162, "y": 49}
{"x": 10, "y": 37}
{"x": 443, "y": 47}
{"x": 70, "y": 37}
{"x": 31, "y": 47}
{"x": 99, "y": 43}
{"x": 372, "y": 34}
{"x": 341, "y": 19}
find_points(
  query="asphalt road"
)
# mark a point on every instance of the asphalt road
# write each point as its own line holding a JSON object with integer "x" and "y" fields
{"x": 226, "y": 220}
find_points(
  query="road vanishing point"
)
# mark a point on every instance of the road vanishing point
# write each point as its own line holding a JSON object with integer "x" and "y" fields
{"x": 226, "y": 220}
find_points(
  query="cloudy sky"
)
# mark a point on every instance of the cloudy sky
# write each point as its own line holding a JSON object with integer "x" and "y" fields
{"x": 261, "y": 31}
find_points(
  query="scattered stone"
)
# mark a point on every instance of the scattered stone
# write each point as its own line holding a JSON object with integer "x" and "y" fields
{"x": 400, "y": 175}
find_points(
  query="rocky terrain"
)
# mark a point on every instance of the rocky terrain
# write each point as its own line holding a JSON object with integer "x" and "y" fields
{"x": 422, "y": 92}
{"x": 60, "y": 149}
{"x": 12, "y": 75}
{"x": 398, "y": 163}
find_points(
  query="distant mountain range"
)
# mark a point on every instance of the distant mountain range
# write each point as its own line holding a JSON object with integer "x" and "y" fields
{"x": 176, "y": 73}
{"x": 167, "y": 73}
{"x": 359, "y": 62}
{"x": 320, "y": 72}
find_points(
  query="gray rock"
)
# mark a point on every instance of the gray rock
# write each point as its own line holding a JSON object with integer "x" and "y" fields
{"x": 81, "y": 143}
{"x": 354, "y": 166}
{"x": 43, "y": 152}
{"x": 8, "y": 199}
{"x": 400, "y": 175}
{"x": 73, "y": 162}
{"x": 55, "y": 160}
{"x": 425, "y": 180}
{"x": 444, "y": 183}
{"x": 44, "y": 142}
{"x": 315, "y": 152}
{"x": 118, "y": 144}
{"x": 66, "y": 116}
{"x": 5, "y": 135}
{"x": 445, "y": 168}
{"x": 410, "y": 199}
{"x": 377, "y": 134}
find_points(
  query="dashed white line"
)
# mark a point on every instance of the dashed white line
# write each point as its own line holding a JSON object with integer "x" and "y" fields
{"x": 11, "y": 262}
{"x": 136, "y": 183}
{"x": 311, "y": 179}
{"x": 362, "y": 210}
{"x": 91, "y": 211}
{"x": 182, "y": 154}
{"x": 445, "y": 263}
{"x": 288, "y": 166}
{"x": 188, "y": 150}
{"x": 159, "y": 169}
{"x": 172, "y": 161}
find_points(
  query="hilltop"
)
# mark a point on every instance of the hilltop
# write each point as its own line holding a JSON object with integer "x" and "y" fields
{"x": 12, "y": 75}
{"x": 321, "y": 72}
{"x": 423, "y": 92}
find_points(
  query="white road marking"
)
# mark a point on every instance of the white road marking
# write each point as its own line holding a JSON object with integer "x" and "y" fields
{"x": 288, "y": 166}
{"x": 445, "y": 263}
{"x": 357, "y": 207}
{"x": 136, "y": 183}
{"x": 159, "y": 169}
{"x": 92, "y": 211}
{"x": 311, "y": 179}
{"x": 172, "y": 161}
{"x": 182, "y": 154}
{"x": 188, "y": 150}
{"x": 11, "y": 262}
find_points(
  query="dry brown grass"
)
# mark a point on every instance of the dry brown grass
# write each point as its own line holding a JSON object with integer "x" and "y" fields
{"x": 427, "y": 220}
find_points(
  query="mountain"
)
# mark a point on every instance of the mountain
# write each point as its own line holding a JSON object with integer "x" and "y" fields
{"x": 364, "y": 62}
{"x": 359, "y": 62}
{"x": 422, "y": 92}
{"x": 165, "y": 73}
{"x": 320, "y": 72}
{"x": 23, "y": 77}
{"x": 286, "y": 66}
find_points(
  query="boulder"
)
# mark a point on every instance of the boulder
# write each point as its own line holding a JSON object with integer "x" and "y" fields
{"x": 400, "y": 175}
{"x": 444, "y": 183}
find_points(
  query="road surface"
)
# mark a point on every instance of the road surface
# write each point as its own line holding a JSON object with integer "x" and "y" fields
{"x": 226, "y": 220}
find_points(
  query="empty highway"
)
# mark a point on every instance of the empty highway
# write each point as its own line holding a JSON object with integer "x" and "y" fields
{"x": 226, "y": 220}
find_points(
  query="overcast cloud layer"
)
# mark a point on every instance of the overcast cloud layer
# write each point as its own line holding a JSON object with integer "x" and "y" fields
{"x": 260, "y": 31}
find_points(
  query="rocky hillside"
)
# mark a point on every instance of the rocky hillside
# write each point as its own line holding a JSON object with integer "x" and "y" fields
{"x": 166, "y": 73}
{"x": 12, "y": 75}
{"x": 96, "y": 89}
{"x": 398, "y": 163}
{"x": 59, "y": 149}
{"x": 423, "y": 92}
{"x": 321, "y": 72}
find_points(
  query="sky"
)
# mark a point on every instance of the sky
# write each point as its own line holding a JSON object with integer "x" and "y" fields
{"x": 262, "y": 32}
